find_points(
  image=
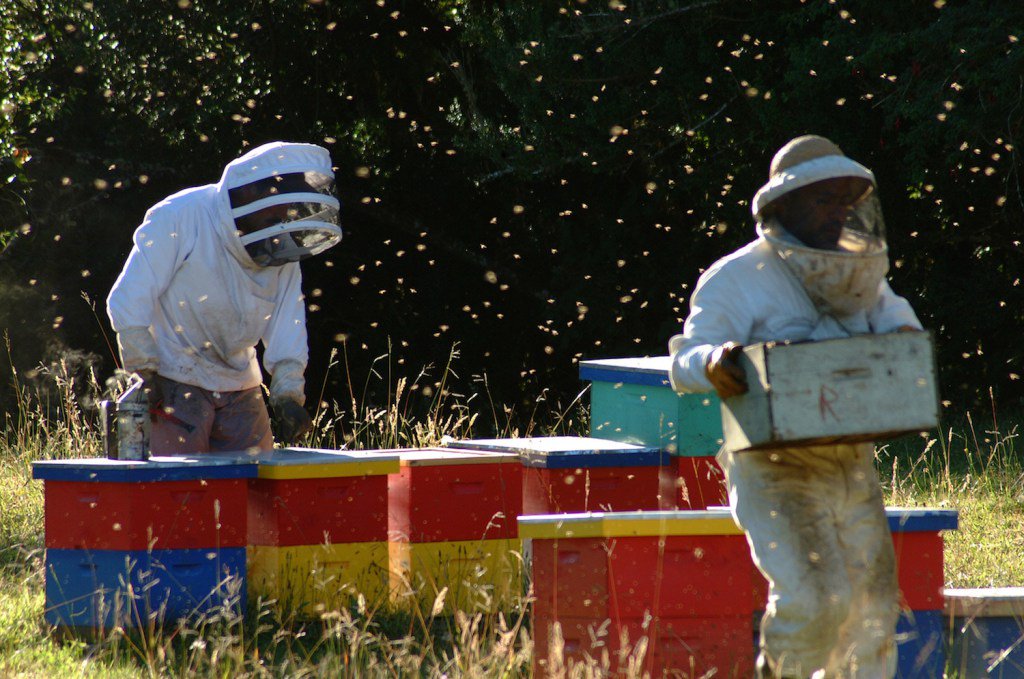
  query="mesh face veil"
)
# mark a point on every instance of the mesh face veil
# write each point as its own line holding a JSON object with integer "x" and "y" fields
{"x": 286, "y": 217}
{"x": 819, "y": 211}
{"x": 855, "y": 226}
{"x": 832, "y": 241}
{"x": 864, "y": 228}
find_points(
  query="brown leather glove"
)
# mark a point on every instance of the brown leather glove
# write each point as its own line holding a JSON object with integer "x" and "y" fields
{"x": 724, "y": 371}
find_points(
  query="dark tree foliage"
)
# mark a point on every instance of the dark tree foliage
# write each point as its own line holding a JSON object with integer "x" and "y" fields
{"x": 541, "y": 182}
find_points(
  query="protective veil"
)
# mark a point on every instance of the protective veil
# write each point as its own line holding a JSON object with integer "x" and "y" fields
{"x": 844, "y": 279}
{"x": 286, "y": 217}
{"x": 839, "y": 282}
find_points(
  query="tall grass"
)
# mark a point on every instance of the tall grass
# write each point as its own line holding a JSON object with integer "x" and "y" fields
{"x": 424, "y": 410}
{"x": 974, "y": 468}
{"x": 977, "y": 469}
{"x": 363, "y": 639}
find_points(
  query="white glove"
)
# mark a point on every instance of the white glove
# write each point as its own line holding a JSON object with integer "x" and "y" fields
{"x": 288, "y": 383}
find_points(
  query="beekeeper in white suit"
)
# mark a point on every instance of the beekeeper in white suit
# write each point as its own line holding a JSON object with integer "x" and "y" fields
{"x": 213, "y": 271}
{"x": 814, "y": 516}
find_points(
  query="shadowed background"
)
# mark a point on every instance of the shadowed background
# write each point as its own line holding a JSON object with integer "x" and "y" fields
{"x": 537, "y": 182}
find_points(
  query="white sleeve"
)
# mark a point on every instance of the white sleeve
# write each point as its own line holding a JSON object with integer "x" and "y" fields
{"x": 891, "y": 312}
{"x": 160, "y": 246}
{"x": 718, "y": 314}
{"x": 286, "y": 350}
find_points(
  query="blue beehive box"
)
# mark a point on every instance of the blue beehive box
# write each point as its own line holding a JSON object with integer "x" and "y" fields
{"x": 987, "y": 631}
{"x": 920, "y": 630}
{"x": 103, "y": 588}
{"x": 632, "y": 401}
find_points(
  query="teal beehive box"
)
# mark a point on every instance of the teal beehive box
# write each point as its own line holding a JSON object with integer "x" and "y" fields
{"x": 631, "y": 401}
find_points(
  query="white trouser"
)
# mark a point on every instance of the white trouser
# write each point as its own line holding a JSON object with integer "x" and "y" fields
{"x": 815, "y": 521}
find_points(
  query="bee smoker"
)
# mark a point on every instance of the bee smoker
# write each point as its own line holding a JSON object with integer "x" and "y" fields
{"x": 126, "y": 424}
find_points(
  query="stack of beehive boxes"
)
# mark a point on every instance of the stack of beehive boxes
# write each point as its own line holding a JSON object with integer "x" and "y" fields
{"x": 132, "y": 543}
{"x": 917, "y": 538}
{"x": 652, "y": 591}
{"x": 452, "y": 529}
{"x": 318, "y": 528}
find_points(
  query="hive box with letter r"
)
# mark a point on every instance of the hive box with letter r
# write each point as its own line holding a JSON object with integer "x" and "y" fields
{"x": 863, "y": 388}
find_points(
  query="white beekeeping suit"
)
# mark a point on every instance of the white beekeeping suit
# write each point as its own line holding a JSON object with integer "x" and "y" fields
{"x": 814, "y": 516}
{"x": 214, "y": 271}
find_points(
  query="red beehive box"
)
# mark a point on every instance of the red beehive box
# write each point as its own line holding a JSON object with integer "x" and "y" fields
{"x": 917, "y": 539}
{"x": 681, "y": 579}
{"x": 685, "y": 647}
{"x": 160, "y": 503}
{"x": 700, "y": 482}
{"x": 444, "y": 495}
{"x": 565, "y": 474}
{"x": 310, "y": 497}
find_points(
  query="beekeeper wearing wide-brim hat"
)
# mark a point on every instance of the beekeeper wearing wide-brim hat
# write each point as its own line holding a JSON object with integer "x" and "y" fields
{"x": 214, "y": 271}
{"x": 814, "y": 516}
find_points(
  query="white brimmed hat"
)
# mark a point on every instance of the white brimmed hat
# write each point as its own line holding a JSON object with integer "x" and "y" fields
{"x": 803, "y": 161}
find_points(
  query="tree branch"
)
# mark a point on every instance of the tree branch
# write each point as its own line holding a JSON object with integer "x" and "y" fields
{"x": 645, "y": 21}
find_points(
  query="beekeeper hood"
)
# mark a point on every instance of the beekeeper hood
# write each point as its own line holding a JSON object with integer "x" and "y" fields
{"x": 820, "y": 212}
{"x": 282, "y": 202}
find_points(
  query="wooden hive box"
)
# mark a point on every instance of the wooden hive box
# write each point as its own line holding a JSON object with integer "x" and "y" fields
{"x": 864, "y": 388}
{"x": 134, "y": 541}
{"x": 318, "y": 527}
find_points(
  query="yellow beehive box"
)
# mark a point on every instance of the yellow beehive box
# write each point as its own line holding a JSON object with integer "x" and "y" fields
{"x": 475, "y": 575}
{"x": 312, "y": 579}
